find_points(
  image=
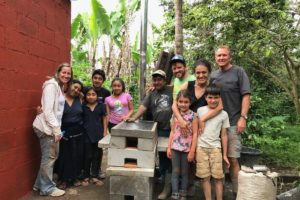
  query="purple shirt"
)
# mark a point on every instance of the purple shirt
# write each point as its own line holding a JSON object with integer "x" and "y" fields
{"x": 118, "y": 106}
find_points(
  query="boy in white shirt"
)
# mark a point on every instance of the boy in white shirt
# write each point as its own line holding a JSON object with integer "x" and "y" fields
{"x": 211, "y": 143}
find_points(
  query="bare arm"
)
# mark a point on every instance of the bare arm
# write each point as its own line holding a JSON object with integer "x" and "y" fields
{"x": 169, "y": 152}
{"x": 191, "y": 154}
{"x": 105, "y": 122}
{"x": 130, "y": 106}
{"x": 107, "y": 114}
{"x": 142, "y": 109}
{"x": 224, "y": 140}
{"x": 242, "y": 124}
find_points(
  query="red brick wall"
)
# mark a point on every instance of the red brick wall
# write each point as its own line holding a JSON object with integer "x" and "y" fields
{"x": 34, "y": 39}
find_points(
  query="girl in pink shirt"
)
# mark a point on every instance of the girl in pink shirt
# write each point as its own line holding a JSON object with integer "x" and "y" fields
{"x": 119, "y": 105}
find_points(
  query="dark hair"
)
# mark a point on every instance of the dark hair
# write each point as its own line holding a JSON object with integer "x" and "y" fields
{"x": 212, "y": 89}
{"x": 185, "y": 94}
{"x": 99, "y": 72}
{"x": 204, "y": 63}
{"x": 121, "y": 81}
{"x": 87, "y": 90}
{"x": 77, "y": 82}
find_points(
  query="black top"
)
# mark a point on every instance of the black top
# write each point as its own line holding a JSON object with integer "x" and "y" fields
{"x": 73, "y": 113}
{"x": 102, "y": 93}
{"x": 92, "y": 122}
{"x": 159, "y": 103}
{"x": 196, "y": 103}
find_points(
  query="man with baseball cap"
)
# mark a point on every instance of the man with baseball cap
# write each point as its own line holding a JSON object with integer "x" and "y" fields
{"x": 159, "y": 103}
{"x": 180, "y": 73}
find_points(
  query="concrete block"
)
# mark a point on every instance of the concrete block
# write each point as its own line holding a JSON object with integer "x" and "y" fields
{"x": 145, "y": 144}
{"x": 139, "y": 129}
{"x": 143, "y": 159}
{"x": 125, "y": 197}
{"x": 162, "y": 144}
{"x": 129, "y": 185}
{"x": 105, "y": 142}
{"x": 122, "y": 171}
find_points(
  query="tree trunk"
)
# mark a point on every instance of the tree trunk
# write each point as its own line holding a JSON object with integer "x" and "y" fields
{"x": 178, "y": 27}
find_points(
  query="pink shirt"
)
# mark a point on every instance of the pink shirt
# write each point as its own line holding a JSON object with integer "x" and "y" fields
{"x": 118, "y": 106}
{"x": 181, "y": 143}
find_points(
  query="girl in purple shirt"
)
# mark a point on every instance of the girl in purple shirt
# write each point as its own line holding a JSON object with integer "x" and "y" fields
{"x": 119, "y": 105}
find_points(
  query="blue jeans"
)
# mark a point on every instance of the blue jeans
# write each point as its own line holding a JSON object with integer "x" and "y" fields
{"x": 49, "y": 153}
{"x": 164, "y": 161}
{"x": 180, "y": 168}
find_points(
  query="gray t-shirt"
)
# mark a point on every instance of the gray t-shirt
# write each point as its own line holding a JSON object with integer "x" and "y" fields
{"x": 234, "y": 83}
{"x": 159, "y": 104}
{"x": 210, "y": 138}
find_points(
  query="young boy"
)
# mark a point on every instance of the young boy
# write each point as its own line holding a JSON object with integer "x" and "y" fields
{"x": 208, "y": 153}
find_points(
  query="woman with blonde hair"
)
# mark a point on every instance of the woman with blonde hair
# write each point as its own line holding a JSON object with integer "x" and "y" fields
{"x": 47, "y": 126}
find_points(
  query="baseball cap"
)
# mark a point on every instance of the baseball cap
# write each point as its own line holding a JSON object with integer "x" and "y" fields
{"x": 177, "y": 58}
{"x": 160, "y": 73}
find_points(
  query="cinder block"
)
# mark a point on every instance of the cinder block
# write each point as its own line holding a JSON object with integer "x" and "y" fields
{"x": 105, "y": 142}
{"x": 162, "y": 144}
{"x": 133, "y": 186}
{"x": 122, "y": 171}
{"x": 123, "y": 197}
{"x": 138, "y": 129}
{"x": 143, "y": 159}
{"x": 145, "y": 144}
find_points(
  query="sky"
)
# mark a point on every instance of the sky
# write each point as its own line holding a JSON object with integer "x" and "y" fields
{"x": 155, "y": 13}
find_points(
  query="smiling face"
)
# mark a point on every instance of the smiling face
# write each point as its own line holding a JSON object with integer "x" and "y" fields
{"x": 64, "y": 75}
{"x": 212, "y": 100}
{"x": 202, "y": 74}
{"x": 97, "y": 80}
{"x": 117, "y": 87}
{"x": 178, "y": 70}
{"x": 75, "y": 90}
{"x": 183, "y": 104}
{"x": 91, "y": 96}
{"x": 158, "y": 82}
{"x": 222, "y": 57}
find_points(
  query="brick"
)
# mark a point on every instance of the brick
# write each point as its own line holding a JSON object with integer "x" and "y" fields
{"x": 26, "y": 136}
{"x": 20, "y": 6}
{"x": 60, "y": 40}
{"x": 36, "y": 13}
{"x": 26, "y": 153}
{"x": 144, "y": 159}
{"x": 27, "y": 98}
{"x": 122, "y": 171}
{"x": 2, "y": 35}
{"x": 8, "y": 190}
{"x": 7, "y": 140}
{"x": 16, "y": 41}
{"x": 24, "y": 116}
{"x": 104, "y": 142}
{"x": 7, "y": 119}
{"x": 7, "y": 100}
{"x": 139, "y": 129}
{"x": 46, "y": 35}
{"x": 162, "y": 144}
{"x": 51, "y": 22}
{"x": 8, "y": 160}
{"x": 8, "y": 17}
{"x": 147, "y": 144}
{"x": 133, "y": 186}
{"x": 144, "y": 144}
{"x": 27, "y": 26}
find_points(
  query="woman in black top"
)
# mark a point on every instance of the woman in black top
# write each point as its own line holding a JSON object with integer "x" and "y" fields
{"x": 70, "y": 159}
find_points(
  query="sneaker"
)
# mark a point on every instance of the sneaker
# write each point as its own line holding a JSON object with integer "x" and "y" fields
{"x": 175, "y": 196}
{"x": 57, "y": 192}
{"x": 36, "y": 189}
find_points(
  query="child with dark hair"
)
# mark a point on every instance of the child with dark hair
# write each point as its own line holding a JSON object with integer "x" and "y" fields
{"x": 181, "y": 147}
{"x": 210, "y": 144}
{"x": 119, "y": 105}
{"x": 94, "y": 122}
{"x": 98, "y": 78}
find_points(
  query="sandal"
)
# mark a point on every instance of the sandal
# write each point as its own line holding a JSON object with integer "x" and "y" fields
{"x": 77, "y": 183}
{"x": 96, "y": 181}
{"x": 85, "y": 182}
{"x": 62, "y": 185}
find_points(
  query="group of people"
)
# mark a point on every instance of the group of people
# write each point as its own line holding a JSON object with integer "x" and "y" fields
{"x": 203, "y": 115}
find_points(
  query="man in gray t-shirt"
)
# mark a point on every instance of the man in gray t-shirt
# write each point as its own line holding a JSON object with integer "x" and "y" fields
{"x": 235, "y": 93}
